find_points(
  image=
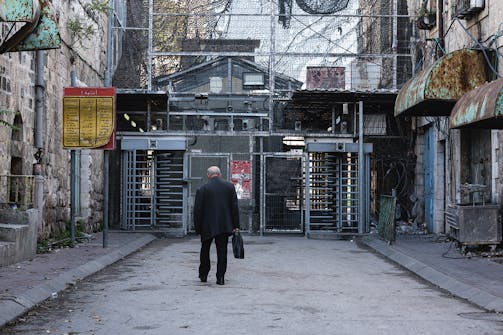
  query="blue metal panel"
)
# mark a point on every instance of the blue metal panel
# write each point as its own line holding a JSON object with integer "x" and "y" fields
{"x": 429, "y": 177}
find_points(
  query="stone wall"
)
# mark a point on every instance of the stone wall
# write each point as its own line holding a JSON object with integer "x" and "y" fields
{"x": 483, "y": 27}
{"x": 86, "y": 55}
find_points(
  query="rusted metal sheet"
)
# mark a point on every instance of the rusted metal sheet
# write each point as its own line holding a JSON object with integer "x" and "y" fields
{"x": 17, "y": 10}
{"x": 46, "y": 33}
{"x": 480, "y": 108}
{"x": 24, "y": 31}
{"x": 435, "y": 90}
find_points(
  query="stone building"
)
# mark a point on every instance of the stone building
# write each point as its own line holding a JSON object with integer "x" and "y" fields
{"x": 82, "y": 29}
{"x": 459, "y": 163}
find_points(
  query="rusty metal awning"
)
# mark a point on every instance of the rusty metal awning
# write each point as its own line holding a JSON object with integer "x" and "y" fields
{"x": 40, "y": 30}
{"x": 480, "y": 108}
{"x": 435, "y": 90}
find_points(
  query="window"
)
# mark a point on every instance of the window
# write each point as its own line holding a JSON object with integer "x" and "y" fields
{"x": 253, "y": 80}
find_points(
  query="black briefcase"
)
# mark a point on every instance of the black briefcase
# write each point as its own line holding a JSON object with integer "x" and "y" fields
{"x": 237, "y": 245}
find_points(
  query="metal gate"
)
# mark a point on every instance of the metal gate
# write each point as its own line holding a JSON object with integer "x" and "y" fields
{"x": 198, "y": 164}
{"x": 283, "y": 193}
{"x": 332, "y": 188}
{"x": 152, "y": 191}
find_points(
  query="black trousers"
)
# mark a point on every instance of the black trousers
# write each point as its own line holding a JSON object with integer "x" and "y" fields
{"x": 221, "y": 242}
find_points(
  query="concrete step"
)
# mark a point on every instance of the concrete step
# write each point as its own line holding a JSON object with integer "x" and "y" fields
{"x": 12, "y": 232}
{"x": 7, "y": 252}
{"x": 18, "y": 243}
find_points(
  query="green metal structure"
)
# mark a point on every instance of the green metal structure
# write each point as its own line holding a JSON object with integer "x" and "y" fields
{"x": 480, "y": 108}
{"x": 40, "y": 31}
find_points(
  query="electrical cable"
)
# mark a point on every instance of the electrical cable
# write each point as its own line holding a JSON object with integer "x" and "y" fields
{"x": 482, "y": 48}
{"x": 326, "y": 38}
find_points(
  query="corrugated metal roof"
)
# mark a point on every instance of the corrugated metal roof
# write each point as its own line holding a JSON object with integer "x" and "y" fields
{"x": 480, "y": 108}
{"x": 353, "y": 91}
{"x": 435, "y": 90}
{"x": 337, "y": 95}
{"x": 163, "y": 80}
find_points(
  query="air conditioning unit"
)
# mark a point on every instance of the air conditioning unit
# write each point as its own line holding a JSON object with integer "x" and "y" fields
{"x": 465, "y": 9}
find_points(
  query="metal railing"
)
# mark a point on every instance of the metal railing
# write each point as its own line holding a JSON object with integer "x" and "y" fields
{"x": 17, "y": 191}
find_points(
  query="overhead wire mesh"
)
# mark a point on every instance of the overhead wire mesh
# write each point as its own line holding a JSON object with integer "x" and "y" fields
{"x": 370, "y": 39}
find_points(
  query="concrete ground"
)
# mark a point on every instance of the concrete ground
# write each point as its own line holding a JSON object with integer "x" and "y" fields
{"x": 474, "y": 278}
{"x": 26, "y": 284}
{"x": 285, "y": 285}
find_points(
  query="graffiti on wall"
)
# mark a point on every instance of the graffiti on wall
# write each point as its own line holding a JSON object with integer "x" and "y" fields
{"x": 241, "y": 178}
{"x": 310, "y": 7}
{"x": 325, "y": 77}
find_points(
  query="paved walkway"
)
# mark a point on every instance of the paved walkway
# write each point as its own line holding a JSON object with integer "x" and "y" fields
{"x": 476, "y": 279}
{"x": 26, "y": 284}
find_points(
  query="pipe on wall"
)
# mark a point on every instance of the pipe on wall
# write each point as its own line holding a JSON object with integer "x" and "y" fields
{"x": 39, "y": 99}
{"x": 440, "y": 25}
{"x": 39, "y": 136}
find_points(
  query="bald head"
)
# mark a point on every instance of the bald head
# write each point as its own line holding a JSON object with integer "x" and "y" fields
{"x": 213, "y": 171}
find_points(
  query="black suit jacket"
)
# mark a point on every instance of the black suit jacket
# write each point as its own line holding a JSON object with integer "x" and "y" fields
{"x": 216, "y": 209}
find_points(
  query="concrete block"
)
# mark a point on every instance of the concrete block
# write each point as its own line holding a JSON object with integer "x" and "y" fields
{"x": 11, "y": 232}
{"x": 19, "y": 238}
{"x": 6, "y": 252}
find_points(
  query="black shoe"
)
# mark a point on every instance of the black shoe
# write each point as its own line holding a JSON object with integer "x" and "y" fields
{"x": 220, "y": 281}
{"x": 204, "y": 279}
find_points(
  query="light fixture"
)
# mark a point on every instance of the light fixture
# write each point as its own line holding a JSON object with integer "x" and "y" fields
{"x": 126, "y": 116}
{"x": 294, "y": 141}
{"x": 133, "y": 123}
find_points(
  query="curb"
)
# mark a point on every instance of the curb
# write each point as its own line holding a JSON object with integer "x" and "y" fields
{"x": 455, "y": 287}
{"x": 16, "y": 306}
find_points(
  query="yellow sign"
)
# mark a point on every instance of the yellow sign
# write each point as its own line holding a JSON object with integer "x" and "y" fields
{"x": 88, "y": 122}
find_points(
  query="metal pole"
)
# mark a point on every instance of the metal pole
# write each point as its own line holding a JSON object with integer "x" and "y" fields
{"x": 150, "y": 37}
{"x": 108, "y": 83}
{"x": 271, "y": 65}
{"x": 307, "y": 216}
{"x": 252, "y": 167}
{"x": 149, "y": 117}
{"x": 361, "y": 177}
{"x": 262, "y": 187}
{"x": 440, "y": 50}
{"x": 395, "y": 42}
{"x": 105, "y": 198}
{"x": 39, "y": 133}
{"x": 73, "y": 177}
{"x": 39, "y": 100}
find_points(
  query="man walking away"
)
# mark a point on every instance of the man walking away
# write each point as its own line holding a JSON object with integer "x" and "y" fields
{"x": 216, "y": 216}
